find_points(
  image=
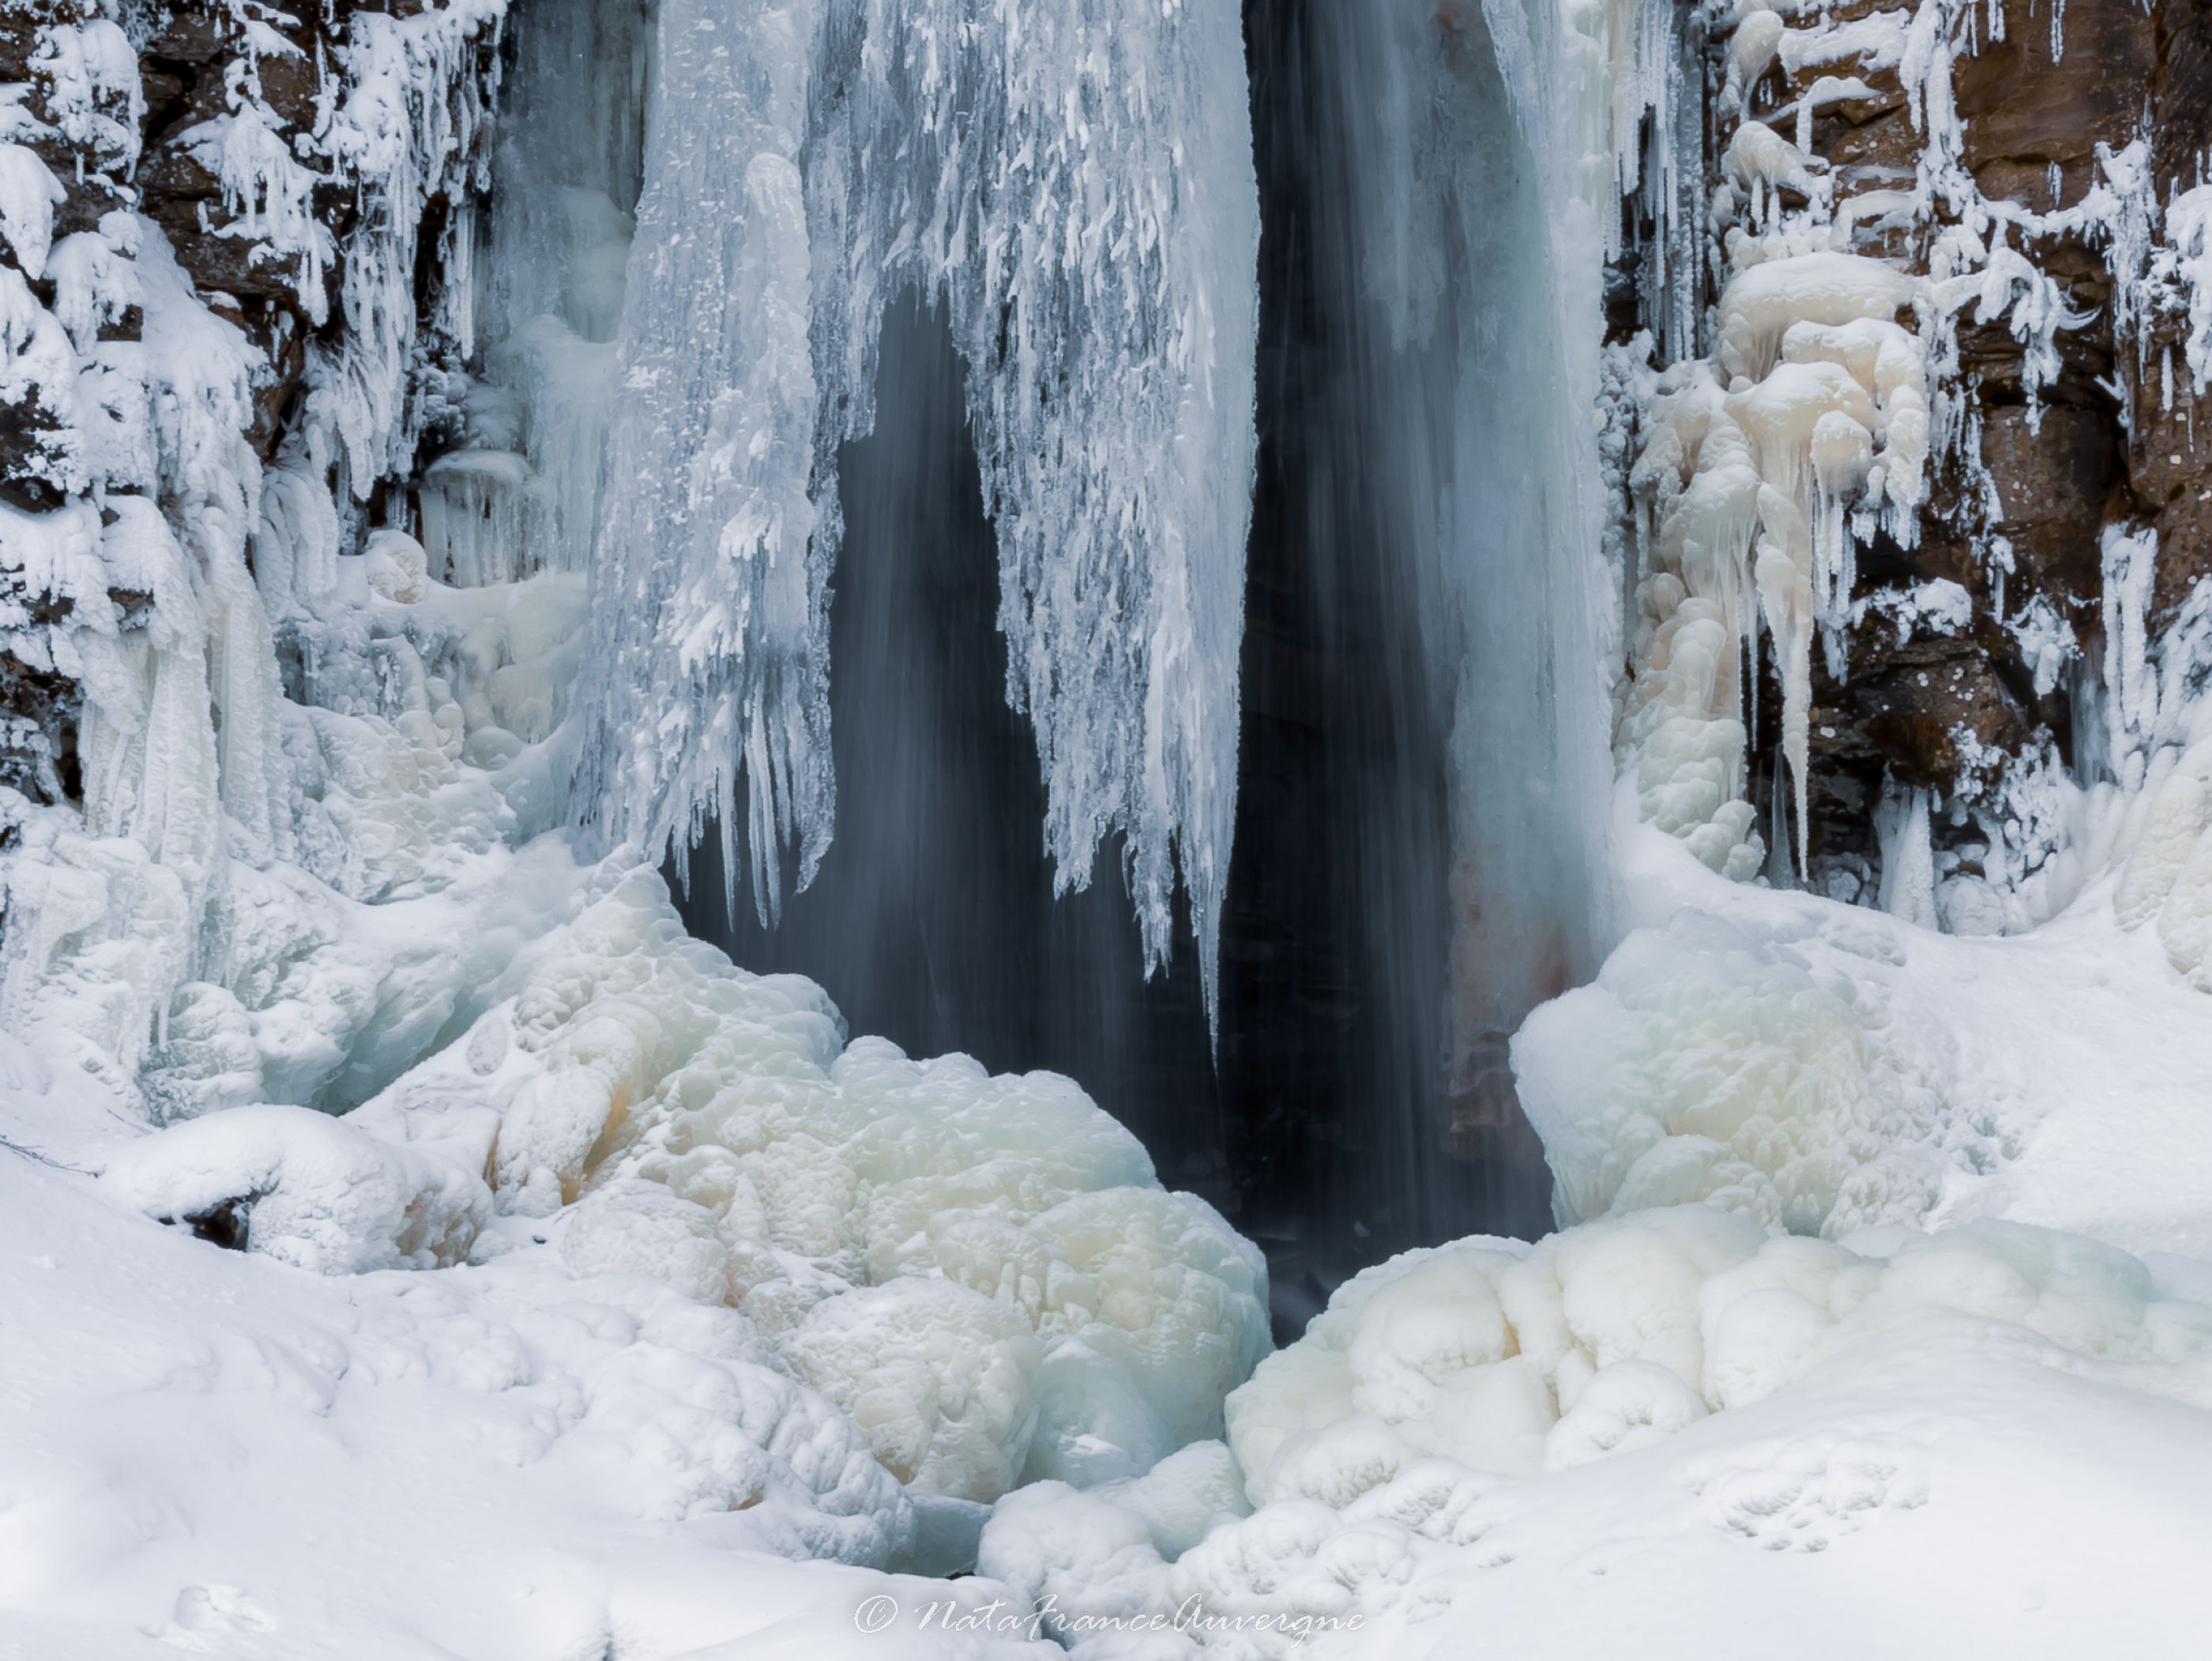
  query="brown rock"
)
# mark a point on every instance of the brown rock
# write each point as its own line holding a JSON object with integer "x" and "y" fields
{"x": 2021, "y": 108}
{"x": 2053, "y": 484}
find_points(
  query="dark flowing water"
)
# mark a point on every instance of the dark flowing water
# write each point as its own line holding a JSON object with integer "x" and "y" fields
{"x": 1341, "y": 1118}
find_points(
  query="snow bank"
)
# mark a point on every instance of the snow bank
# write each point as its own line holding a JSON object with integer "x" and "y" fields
{"x": 1512, "y": 1359}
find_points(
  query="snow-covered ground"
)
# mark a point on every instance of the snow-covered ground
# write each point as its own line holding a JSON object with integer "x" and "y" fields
{"x": 1953, "y": 1429}
{"x": 2068, "y": 1070}
{"x": 215, "y": 1452}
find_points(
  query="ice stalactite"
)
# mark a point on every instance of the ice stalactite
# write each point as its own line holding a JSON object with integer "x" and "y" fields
{"x": 565, "y": 185}
{"x": 1075, "y": 183}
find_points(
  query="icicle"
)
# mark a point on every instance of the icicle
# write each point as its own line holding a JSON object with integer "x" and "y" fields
{"x": 1908, "y": 861}
{"x": 477, "y": 526}
{"x": 2131, "y": 701}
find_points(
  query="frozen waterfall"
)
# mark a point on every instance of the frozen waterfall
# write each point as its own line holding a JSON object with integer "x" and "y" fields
{"x": 1422, "y": 741}
{"x": 1427, "y": 574}
{"x": 797, "y": 386}
{"x": 1421, "y": 737}
{"x": 1075, "y": 183}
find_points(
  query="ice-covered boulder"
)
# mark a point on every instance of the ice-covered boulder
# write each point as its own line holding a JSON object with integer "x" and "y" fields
{"x": 1773, "y": 1064}
{"x": 982, "y": 1271}
{"x": 305, "y": 1189}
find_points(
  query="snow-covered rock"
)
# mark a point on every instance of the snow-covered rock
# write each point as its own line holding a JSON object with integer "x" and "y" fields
{"x": 305, "y": 1189}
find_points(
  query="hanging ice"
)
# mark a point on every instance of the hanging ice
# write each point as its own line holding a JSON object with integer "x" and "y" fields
{"x": 1074, "y": 182}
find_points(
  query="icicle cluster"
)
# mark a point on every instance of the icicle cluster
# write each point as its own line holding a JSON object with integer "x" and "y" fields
{"x": 1074, "y": 182}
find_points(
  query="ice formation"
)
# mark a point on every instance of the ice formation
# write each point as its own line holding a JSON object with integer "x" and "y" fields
{"x": 1822, "y": 409}
{"x": 2159, "y": 744}
{"x": 1773, "y": 1066}
{"x": 1515, "y": 1360}
{"x": 319, "y": 915}
{"x": 1436, "y": 1417}
{"x": 531, "y": 1186}
{"x": 1075, "y": 183}
{"x": 1760, "y": 472}
{"x": 981, "y": 1271}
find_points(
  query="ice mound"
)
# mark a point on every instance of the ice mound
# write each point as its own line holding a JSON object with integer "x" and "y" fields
{"x": 1065, "y": 1317}
{"x": 1462, "y": 1407}
{"x": 981, "y": 1271}
{"x": 1104, "y": 1552}
{"x": 1512, "y": 1359}
{"x": 941, "y": 1380}
{"x": 1771, "y": 1061}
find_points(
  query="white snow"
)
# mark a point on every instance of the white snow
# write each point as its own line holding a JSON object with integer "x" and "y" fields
{"x": 508, "y": 1460}
{"x": 1779, "y": 1443}
{"x": 315, "y": 1192}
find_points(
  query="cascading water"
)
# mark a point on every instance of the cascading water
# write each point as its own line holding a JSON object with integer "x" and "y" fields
{"x": 800, "y": 616}
{"x": 1425, "y": 779}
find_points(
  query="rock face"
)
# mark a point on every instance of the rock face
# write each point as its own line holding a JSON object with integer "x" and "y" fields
{"x": 2063, "y": 405}
{"x": 72, "y": 128}
{"x": 237, "y": 130}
